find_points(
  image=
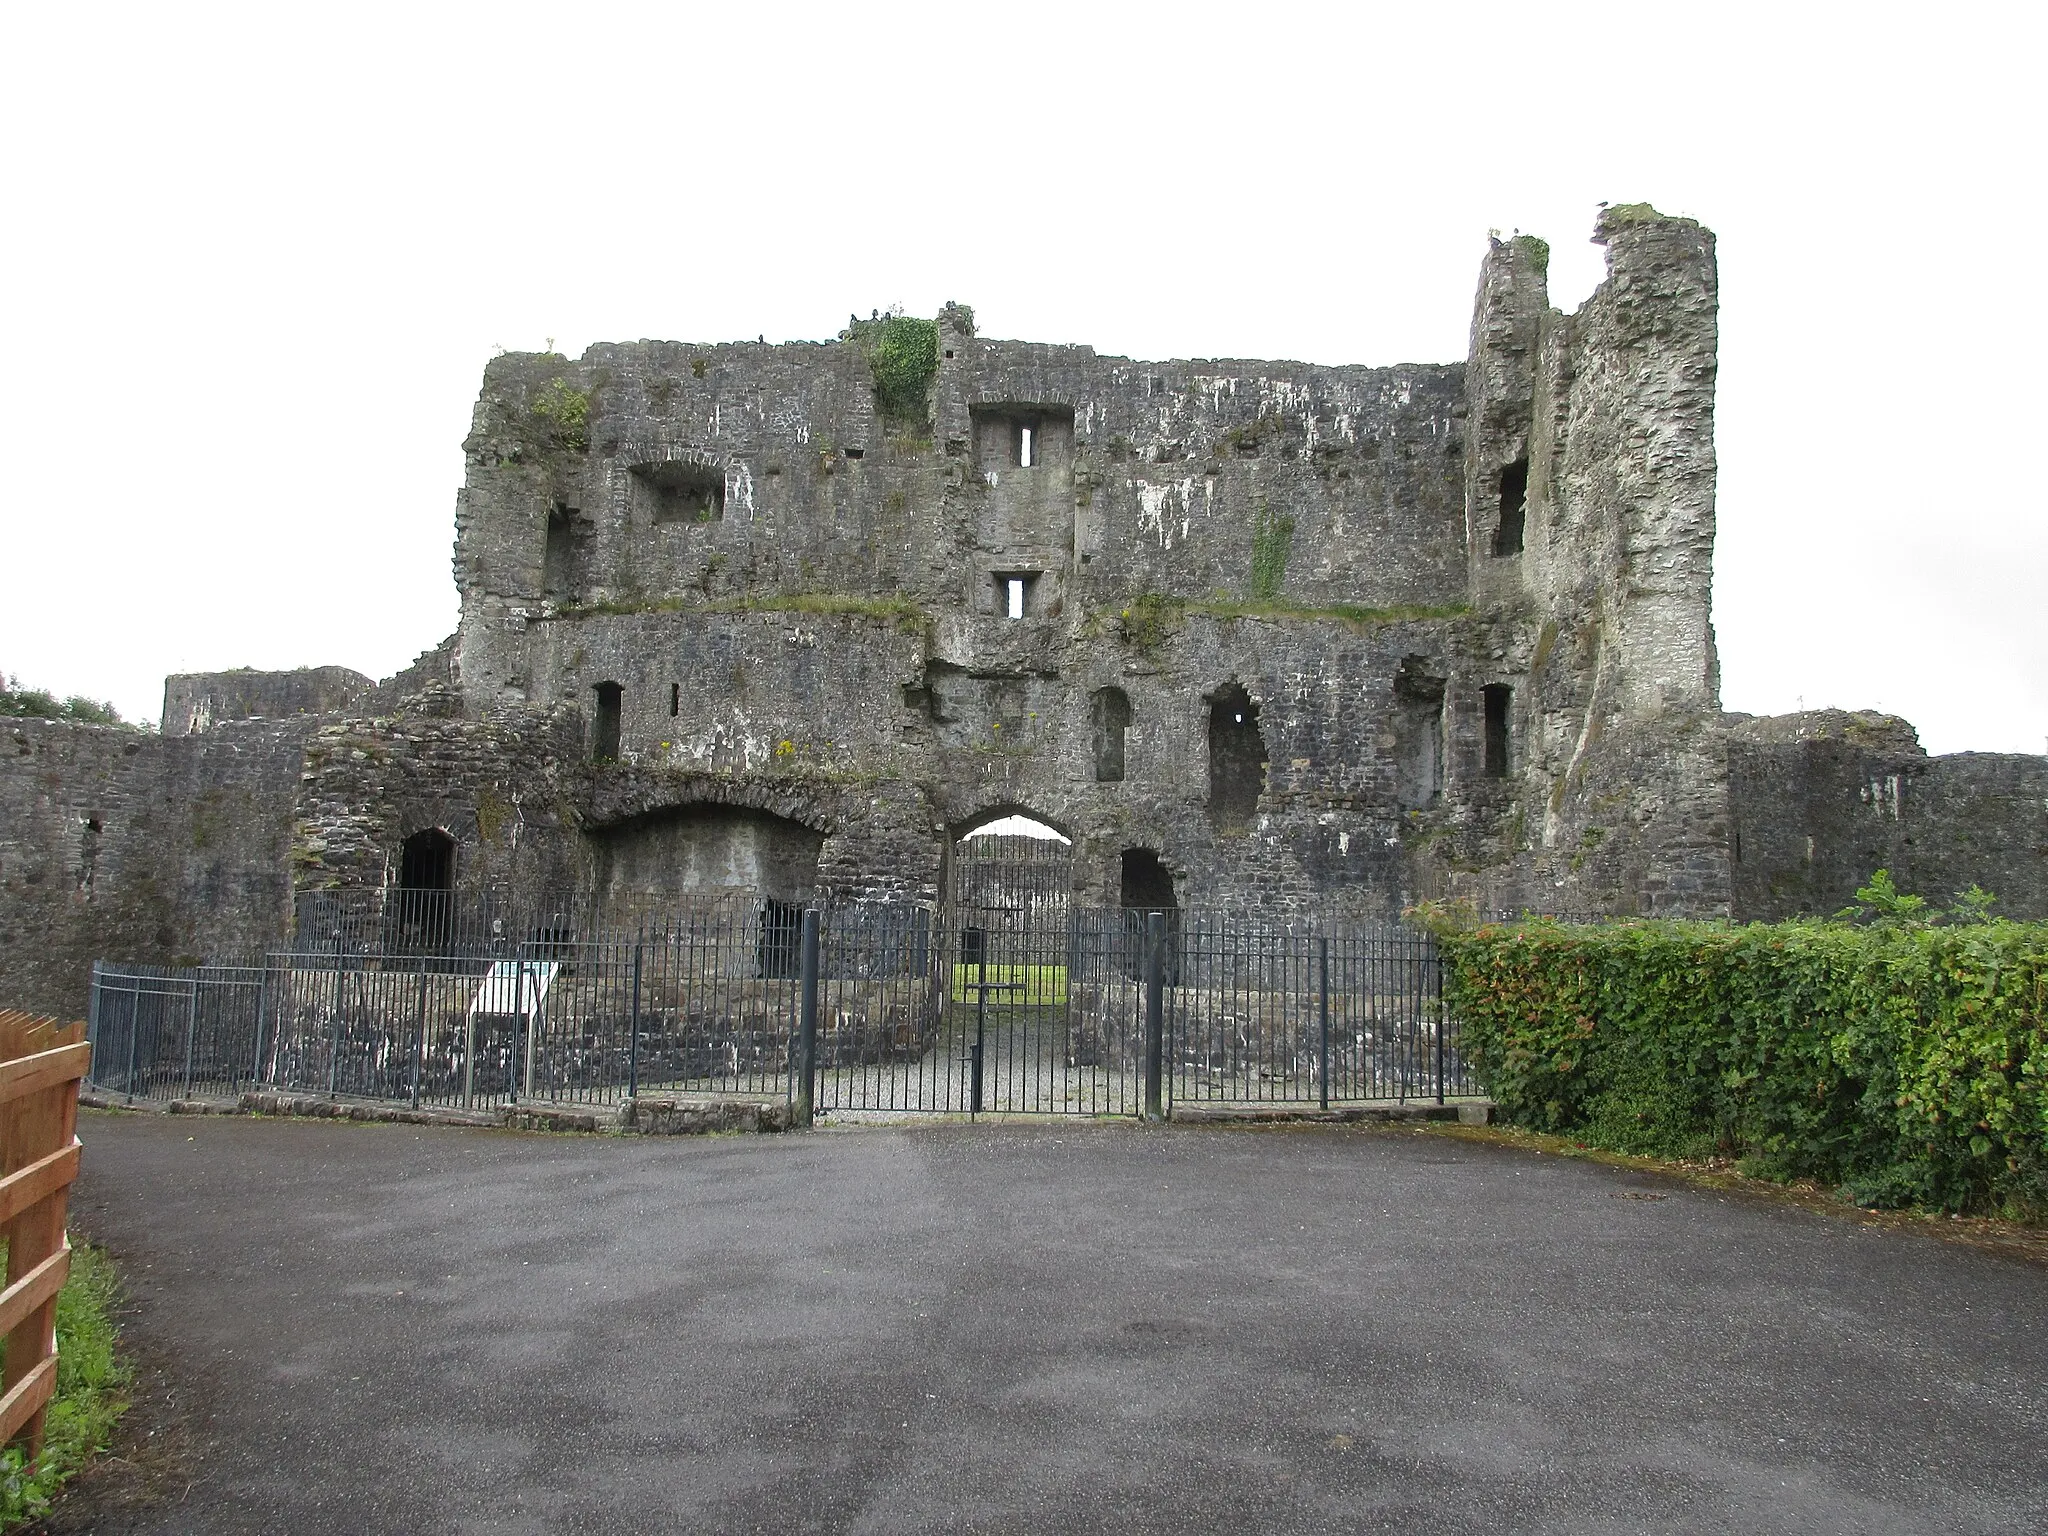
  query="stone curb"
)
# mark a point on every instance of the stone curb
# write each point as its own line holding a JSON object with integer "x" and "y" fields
{"x": 712, "y": 1116}
{"x": 648, "y": 1116}
{"x": 1470, "y": 1112}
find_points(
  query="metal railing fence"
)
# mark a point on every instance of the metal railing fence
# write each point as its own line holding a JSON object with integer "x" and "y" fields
{"x": 848, "y": 1011}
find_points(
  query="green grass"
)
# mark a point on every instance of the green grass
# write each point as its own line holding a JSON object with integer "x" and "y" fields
{"x": 903, "y": 613}
{"x": 92, "y": 1379}
{"x": 1042, "y": 984}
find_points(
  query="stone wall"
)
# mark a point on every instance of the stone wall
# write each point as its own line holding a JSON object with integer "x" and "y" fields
{"x": 1822, "y": 799}
{"x": 124, "y": 844}
{"x": 196, "y": 701}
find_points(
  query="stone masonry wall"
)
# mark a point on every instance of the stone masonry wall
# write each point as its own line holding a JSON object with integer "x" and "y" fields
{"x": 1823, "y": 799}
{"x": 125, "y": 844}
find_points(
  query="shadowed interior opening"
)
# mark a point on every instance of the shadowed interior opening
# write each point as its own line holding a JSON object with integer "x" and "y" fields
{"x": 1109, "y": 717}
{"x": 1514, "y": 508}
{"x": 1499, "y": 698}
{"x": 1237, "y": 758}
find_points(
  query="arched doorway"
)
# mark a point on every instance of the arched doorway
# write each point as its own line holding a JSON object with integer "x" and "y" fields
{"x": 1010, "y": 907}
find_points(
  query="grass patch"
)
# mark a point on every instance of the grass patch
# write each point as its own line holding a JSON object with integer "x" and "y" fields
{"x": 906, "y": 615}
{"x": 1042, "y": 984}
{"x": 92, "y": 1381}
{"x": 2016, "y": 1239}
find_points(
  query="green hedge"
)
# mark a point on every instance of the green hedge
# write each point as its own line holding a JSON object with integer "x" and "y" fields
{"x": 1906, "y": 1064}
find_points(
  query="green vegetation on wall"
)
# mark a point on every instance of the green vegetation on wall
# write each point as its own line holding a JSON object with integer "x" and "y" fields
{"x": 1272, "y": 543}
{"x": 903, "y": 356}
{"x": 560, "y": 415}
{"x": 1902, "y": 1058}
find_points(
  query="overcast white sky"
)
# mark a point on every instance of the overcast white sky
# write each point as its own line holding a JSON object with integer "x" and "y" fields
{"x": 255, "y": 259}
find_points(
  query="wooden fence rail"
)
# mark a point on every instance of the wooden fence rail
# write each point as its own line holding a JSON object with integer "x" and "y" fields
{"x": 41, "y": 1062}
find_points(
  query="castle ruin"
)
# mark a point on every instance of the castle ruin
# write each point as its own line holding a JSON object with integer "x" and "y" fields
{"x": 792, "y": 619}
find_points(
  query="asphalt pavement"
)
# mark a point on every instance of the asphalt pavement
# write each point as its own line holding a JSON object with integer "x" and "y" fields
{"x": 385, "y": 1328}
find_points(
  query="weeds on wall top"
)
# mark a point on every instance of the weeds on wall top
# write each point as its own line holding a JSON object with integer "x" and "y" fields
{"x": 560, "y": 417}
{"x": 903, "y": 356}
{"x": 1534, "y": 250}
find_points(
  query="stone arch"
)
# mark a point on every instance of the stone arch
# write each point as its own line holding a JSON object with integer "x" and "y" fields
{"x": 628, "y": 798}
{"x": 703, "y": 848}
{"x": 1000, "y": 810}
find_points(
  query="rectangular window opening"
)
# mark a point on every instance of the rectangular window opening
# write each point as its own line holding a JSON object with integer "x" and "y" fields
{"x": 679, "y": 492}
{"x": 604, "y": 735}
{"x": 675, "y": 700}
{"x": 1024, "y": 447}
{"x": 1016, "y": 594}
{"x": 1514, "y": 508}
{"x": 1499, "y": 699}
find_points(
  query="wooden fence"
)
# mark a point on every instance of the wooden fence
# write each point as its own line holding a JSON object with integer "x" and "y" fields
{"x": 41, "y": 1062}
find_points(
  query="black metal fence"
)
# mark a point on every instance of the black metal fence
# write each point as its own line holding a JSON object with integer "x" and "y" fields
{"x": 848, "y": 1012}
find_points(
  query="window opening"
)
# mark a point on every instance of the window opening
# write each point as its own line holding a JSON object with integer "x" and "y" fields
{"x": 1014, "y": 592}
{"x": 1110, "y": 716}
{"x": 675, "y": 700}
{"x": 604, "y": 736}
{"x": 1237, "y": 758}
{"x": 1514, "y": 508}
{"x": 1499, "y": 696}
{"x": 1024, "y": 447}
{"x": 1418, "y": 736}
{"x": 558, "y": 559}
{"x": 677, "y": 492}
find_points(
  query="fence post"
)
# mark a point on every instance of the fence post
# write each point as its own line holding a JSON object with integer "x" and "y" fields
{"x": 134, "y": 1029}
{"x": 191, "y": 1030}
{"x": 633, "y": 1045}
{"x": 334, "y": 1035}
{"x": 807, "y": 1023}
{"x": 1155, "y": 1014}
{"x": 92, "y": 1023}
{"x": 1323, "y": 1013}
{"x": 1433, "y": 972}
{"x": 419, "y": 1047}
{"x": 525, "y": 1030}
{"x": 262, "y": 1014}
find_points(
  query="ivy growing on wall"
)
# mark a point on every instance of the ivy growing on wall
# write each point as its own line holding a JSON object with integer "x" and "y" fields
{"x": 1272, "y": 543}
{"x": 903, "y": 356}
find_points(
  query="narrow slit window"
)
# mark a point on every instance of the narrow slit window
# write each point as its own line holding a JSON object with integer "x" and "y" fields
{"x": 1024, "y": 447}
{"x": 1110, "y": 712}
{"x": 1514, "y": 508}
{"x": 1015, "y": 593}
{"x": 1499, "y": 698}
{"x": 675, "y": 700}
{"x": 604, "y": 735}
